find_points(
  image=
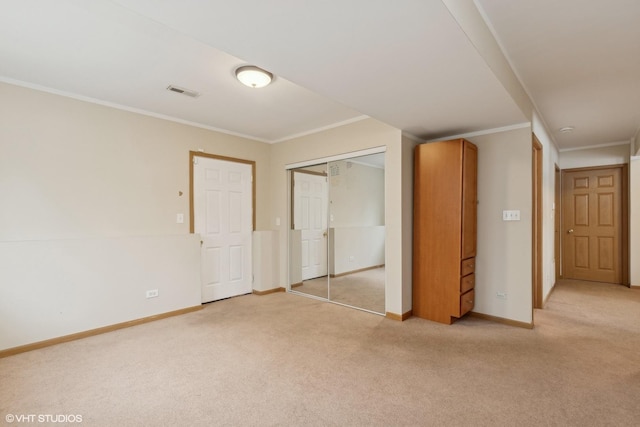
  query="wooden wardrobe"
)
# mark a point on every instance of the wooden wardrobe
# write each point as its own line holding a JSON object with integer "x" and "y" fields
{"x": 444, "y": 224}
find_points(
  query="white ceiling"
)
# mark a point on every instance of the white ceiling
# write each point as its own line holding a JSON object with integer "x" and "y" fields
{"x": 580, "y": 62}
{"x": 407, "y": 63}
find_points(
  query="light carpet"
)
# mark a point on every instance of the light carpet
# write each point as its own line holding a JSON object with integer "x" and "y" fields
{"x": 364, "y": 289}
{"x": 282, "y": 359}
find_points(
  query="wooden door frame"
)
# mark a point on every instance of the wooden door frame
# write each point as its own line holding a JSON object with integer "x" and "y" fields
{"x": 536, "y": 250}
{"x": 192, "y": 156}
{"x": 557, "y": 222}
{"x": 624, "y": 209}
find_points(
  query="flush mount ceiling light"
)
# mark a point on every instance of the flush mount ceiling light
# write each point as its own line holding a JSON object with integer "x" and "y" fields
{"x": 253, "y": 76}
{"x": 567, "y": 129}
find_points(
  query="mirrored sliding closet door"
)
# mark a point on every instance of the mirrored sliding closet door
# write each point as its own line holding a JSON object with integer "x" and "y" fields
{"x": 337, "y": 232}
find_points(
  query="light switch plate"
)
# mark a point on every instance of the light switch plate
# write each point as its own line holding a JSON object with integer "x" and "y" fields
{"x": 180, "y": 218}
{"x": 512, "y": 215}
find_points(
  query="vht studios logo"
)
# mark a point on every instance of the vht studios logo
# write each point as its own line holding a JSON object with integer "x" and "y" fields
{"x": 43, "y": 418}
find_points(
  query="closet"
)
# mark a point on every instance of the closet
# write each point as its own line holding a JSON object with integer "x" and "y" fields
{"x": 444, "y": 241}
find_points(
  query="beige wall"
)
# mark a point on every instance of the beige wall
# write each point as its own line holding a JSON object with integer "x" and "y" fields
{"x": 473, "y": 24}
{"x": 503, "y": 261}
{"x": 549, "y": 210}
{"x": 408, "y": 166}
{"x": 81, "y": 185}
{"x": 634, "y": 221}
{"x": 634, "y": 211}
{"x": 588, "y": 157}
{"x": 73, "y": 169}
{"x": 361, "y": 135}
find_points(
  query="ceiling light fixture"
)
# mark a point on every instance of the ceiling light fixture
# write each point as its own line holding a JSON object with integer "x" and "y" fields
{"x": 567, "y": 129}
{"x": 253, "y": 76}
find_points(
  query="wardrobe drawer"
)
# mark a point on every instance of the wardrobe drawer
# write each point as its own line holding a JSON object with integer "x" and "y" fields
{"x": 467, "y": 283}
{"x": 467, "y": 266}
{"x": 466, "y": 302}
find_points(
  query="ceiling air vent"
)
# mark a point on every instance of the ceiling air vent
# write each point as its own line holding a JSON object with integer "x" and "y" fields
{"x": 183, "y": 91}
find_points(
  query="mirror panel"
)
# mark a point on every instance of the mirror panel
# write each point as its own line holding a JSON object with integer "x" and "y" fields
{"x": 357, "y": 232}
{"x": 308, "y": 234}
{"x": 337, "y": 232}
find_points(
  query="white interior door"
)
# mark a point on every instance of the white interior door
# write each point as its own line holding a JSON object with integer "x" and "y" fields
{"x": 223, "y": 216}
{"x": 310, "y": 216}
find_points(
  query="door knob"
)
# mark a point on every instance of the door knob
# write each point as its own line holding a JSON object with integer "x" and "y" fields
{"x": 324, "y": 234}
{"x": 570, "y": 231}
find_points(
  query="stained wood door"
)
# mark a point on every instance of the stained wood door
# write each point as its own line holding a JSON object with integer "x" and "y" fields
{"x": 592, "y": 222}
{"x": 223, "y": 216}
{"x": 469, "y": 200}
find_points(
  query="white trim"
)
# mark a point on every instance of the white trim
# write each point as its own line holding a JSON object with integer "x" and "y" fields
{"x": 320, "y": 129}
{"x": 366, "y": 164}
{"x": 634, "y": 158}
{"x": 484, "y": 132}
{"x": 588, "y": 147}
{"x": 170, "y": 118}
{"x": 126, "y": 108}
{"x": 342, "y": 156}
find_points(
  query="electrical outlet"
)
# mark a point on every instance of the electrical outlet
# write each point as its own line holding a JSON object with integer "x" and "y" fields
{"x": 152, "y": 293}
{"x": 501, "y": 295}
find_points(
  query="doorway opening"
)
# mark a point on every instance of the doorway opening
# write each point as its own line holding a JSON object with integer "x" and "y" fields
{"x": 594, "y": 231}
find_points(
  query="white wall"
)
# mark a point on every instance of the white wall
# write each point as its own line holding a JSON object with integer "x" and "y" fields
{"x": 356, "y": 248}
{"x": 503, "y": 261}
{"x": 74, "y": 176}
{"x": 51, "y": 288}
{"x": 361, "y": 135}
{"x": 357, "y": 210}
{"x": 265, "y": 260}
{"x": 356, "y": 194}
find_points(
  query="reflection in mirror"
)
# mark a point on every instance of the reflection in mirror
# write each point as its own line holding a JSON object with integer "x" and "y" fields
{"x": 357, "y": 232}
{"x": 308, "y": 235}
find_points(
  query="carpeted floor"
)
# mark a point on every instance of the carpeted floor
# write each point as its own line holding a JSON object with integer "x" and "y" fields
{"x": 364, "y": 289}
{"x": 282, "y": 359}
